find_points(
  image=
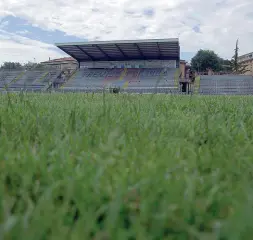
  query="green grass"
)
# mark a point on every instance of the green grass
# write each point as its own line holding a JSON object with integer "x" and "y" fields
{"x": 83, "y": 166}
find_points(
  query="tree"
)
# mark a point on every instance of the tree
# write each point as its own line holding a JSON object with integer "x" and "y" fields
{"x": 31, "y": 65}
{"x": 205, "y": 59}
{"x": 18, "y": 66}
{"x": 11, "y": 66}
{"x": 225, "y": 65}
{"x": 237, "y": 67}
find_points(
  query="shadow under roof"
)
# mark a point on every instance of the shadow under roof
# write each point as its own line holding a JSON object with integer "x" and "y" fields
{"x": 155, "y": 49}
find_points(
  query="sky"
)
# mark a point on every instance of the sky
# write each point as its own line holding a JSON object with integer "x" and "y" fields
{"x": 29, "y": 28}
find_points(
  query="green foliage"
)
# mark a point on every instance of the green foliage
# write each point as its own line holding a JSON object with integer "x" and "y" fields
{"x": 11, "y": 66}
{"x": 205, "y": 59}
{"x": 237, "y": 67}
{"x": 31, "y": 65}
{"x": 90, "y": 166}
{"x": 19, "y": 66}
{"x": 226, "y": 65}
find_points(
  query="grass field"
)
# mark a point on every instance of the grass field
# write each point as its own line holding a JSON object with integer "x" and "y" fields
{"x": 78, "y": 166}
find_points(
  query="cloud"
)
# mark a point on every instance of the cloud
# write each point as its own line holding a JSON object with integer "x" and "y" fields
{"x": 3, "y": 24}
{"x": 23, "y": 32}
{"x": 221, "y": 21}
{"x": 149, "y": 12}
{"x": 21, "y": 49}
{"x": 196, "y": 29}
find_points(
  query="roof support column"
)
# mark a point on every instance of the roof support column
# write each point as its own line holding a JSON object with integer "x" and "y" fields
{"x": 124, "y": 55}
{"x": 139, "y": 50}
{"x": 159, "y": 51}
{"x": 103, "y": 52}
{"x": 90, "y": 57}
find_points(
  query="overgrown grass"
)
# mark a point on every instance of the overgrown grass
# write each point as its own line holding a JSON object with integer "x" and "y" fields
{"x": 78, "y": 166}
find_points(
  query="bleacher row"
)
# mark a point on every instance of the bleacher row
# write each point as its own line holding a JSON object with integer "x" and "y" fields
{"x": 132, "y": 80}
{"x": 31, "y": 80}
{"x": 226, "y": 85}
{"x": 129, "y": 80}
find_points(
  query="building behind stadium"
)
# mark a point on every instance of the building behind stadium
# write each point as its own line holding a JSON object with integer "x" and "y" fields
{"x": 247, "y": 59}
{"x": 61, "y": 63}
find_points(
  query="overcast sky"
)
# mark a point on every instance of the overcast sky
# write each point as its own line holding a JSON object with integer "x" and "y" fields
{"x": 28, "y": 28}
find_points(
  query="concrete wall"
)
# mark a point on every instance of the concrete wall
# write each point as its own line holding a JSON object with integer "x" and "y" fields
{"x": 130, "y": 64}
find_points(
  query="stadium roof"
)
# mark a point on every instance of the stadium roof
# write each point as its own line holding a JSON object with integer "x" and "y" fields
{"x": 163, "y": 49}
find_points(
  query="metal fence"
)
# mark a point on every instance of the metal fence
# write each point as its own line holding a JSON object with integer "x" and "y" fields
{"x": 226, "y": 85}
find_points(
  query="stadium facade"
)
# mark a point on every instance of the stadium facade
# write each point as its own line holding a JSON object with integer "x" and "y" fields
{"x": 134, "y": 65}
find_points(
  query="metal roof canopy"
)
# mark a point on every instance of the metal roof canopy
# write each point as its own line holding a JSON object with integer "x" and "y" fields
{"x": 156, "y": 49}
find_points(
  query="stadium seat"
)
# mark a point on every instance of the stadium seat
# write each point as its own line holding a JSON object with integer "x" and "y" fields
{"x": 30, "y": 80}
{"x": 7, "y": 77}
{"x": 130, "y": 79}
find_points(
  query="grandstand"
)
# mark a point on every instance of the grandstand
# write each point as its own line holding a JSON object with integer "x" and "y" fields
{"x": 134, "y": 66}
{"x": 27, "y": 80}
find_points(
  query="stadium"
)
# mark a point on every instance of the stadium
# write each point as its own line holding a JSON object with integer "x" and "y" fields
{"x": 79, "y": 161}
{"x": 134, "y": 66}
{"x": 141, "y": 66}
